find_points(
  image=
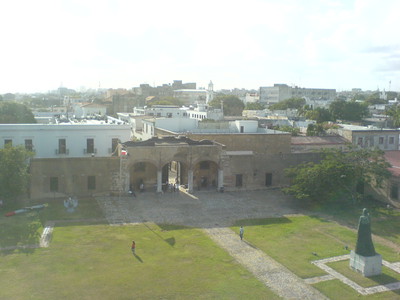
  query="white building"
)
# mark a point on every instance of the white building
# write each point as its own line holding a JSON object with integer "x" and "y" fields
{"x": 65, "y": 140}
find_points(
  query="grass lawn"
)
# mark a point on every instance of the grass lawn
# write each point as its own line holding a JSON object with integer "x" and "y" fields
{"x": 334, "y": 289}
{"x": 95, "y": 262}
{"x": 26, "y": 228}
{"x": 292, "y": 241}
{"x": 387, "y": 276}
{"x": 384, "y": 222}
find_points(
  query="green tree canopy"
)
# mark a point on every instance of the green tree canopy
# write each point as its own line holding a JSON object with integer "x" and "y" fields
{"x": 348, "y": 110}
{"x": 13, "y": 171}
{"x": 319, "y": 114}
{"x": 315, "y": 129}
{"x": 338, "y": 173}
{"x": 15, "y": 113}
{"x": 233, "y": 106}
{"x": 254, "y": 106}
{"x": 291, "y": 103}
{"x": 165, "y": 101}
{"x": 394, "y": 115}
{"x": 294, "y": 131}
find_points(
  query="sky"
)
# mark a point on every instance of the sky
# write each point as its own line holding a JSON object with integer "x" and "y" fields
{"x": 81, "y": 44}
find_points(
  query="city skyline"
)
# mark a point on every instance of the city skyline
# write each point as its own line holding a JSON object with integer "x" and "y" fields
{"x": 330, "y": 44}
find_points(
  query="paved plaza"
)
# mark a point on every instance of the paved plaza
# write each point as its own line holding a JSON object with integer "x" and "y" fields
{"x": 200, "y": 209}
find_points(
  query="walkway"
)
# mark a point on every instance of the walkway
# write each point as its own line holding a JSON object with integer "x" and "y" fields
{"x": 272, "y": 274}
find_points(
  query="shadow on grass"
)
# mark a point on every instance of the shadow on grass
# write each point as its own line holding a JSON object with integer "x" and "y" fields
{"x": 138, "y": 257}
{"x": 264, "y": 221}
{"x": 170, "y": 241}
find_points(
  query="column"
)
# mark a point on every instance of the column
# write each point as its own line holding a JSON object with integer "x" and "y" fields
{"x": 220, "y": 178}
{"x": 190, "y": 181}
{"x": 159, "y": 183}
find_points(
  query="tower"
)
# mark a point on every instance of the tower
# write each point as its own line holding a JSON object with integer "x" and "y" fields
{"x": 210, "y": 92}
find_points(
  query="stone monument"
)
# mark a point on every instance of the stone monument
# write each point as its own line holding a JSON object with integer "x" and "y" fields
{"x": 364, "y": 259}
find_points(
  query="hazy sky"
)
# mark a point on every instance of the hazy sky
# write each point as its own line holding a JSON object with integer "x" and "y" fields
{"x": 245, "y": 44}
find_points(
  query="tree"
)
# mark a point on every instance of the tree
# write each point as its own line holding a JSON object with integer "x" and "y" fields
{"x": 165, "y": 101}
{"x": 294, "y": 131}
{"x": 350, "y": 111}
{"x": 255, "y": 106}
{"x": 315, "y": 129}
{"x": 15, "y": 113}
{"x": 14, "y": 174}
{"x": 232, "y": 105}
{"x": 338, "y": 174}
{"x": 291, "y": 103}
{"x": 394, "y": 114}
{"x": 319, "y": 114}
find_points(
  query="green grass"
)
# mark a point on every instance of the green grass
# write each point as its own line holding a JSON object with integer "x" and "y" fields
{"x": 334, "y": 289}
{"x": 385, "y": 223}
{"x": 26, "y": 228}
{"x": 95, "y": 262}
{"x": 387, "y": 276}
{"x": 292, "y": 241}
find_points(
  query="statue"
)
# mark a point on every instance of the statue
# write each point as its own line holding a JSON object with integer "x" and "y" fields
{"x": 70, "y": 204}
{"x": 364, "y": 245}
{"x": 364, "y": 259}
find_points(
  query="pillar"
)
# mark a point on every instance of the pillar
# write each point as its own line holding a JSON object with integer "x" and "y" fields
{"x": 159, "y": 179}
{"x": 220, "y": 178}
{"x": 190, "y": 181}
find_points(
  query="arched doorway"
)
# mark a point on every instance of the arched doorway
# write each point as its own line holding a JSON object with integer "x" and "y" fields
{"x": 174, "y": 172}
{"x": 205, "y": 175}
{"x": 143, "y": 173}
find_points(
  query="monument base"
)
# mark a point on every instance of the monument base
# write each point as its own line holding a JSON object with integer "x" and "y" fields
{"x": 366, "y": 265}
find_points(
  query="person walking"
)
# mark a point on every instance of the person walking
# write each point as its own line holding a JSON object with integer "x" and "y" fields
{"x": 241, "y": 232}
{"x": 133, "y": 247}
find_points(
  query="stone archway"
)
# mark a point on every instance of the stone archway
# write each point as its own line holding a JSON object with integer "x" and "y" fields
{"x": 174, "y": 172}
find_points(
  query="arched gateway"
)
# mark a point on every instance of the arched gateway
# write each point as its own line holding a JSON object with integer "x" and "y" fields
{"x": 156, "y": 162}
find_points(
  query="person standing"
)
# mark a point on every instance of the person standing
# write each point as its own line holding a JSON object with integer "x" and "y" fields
{"x": 241, "y": 232}
{"x": 133, "y": 247}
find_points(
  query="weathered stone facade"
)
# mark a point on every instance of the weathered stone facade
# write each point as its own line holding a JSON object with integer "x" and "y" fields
{"x": 194, "y": 164}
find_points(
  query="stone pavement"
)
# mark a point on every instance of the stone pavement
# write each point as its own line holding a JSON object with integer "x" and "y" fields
{"x": 278, "y": 278}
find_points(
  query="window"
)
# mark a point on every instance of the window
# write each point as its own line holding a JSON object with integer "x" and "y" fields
{"x": 28, "y": 145}
{"x": 239, "y": 180}
{"x": 53, "y": 184}
{"x": 158, "y": 114}
{"x": 394, "y": 191}
{"x": 114, "y": 144}
{"x": 360, "y": 141}
{"x": 62, "y": 146}
{"x": 380, "y": 140}
{"x": 8, "y": 142}
{"x": 89, "y": 145}
{"x": 140, "y": 167}
{"x": 391, "y": 140}
{"x": 204, "y": 165}
{"x": 268, "y": 179}
{"x": 241, "y": 129}
{"x": 91, "y": 182}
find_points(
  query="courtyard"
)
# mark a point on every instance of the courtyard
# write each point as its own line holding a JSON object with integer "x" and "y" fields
{"x": 187, "y": 247}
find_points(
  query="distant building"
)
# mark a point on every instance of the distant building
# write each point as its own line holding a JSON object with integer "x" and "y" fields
{"x": 280, "y": 92}
{"x": 191, "y": 96}
{"x": 369, "y": 136}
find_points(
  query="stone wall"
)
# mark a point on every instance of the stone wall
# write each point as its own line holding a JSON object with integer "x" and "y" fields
{"x": 72, "y": 176}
